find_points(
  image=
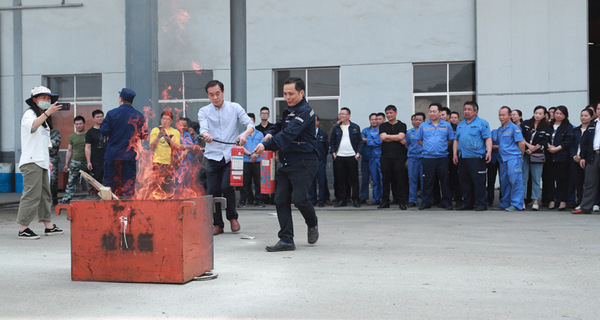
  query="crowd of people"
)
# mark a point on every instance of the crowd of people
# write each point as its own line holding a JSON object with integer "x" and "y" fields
{"x": 543, "y": 161}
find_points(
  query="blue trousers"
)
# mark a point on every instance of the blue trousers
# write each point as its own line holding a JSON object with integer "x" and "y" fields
{"x": 415, "y": 178}
{"x": 375, "y": 170}
{"x": 319, "y": 190}
{"x": 511, "y": 183}
{"x": 365, "y": 172}
{"x": 119, "y": 175}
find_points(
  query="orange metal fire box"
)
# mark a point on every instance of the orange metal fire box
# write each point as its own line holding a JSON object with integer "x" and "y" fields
{"x": 164, "y": 241}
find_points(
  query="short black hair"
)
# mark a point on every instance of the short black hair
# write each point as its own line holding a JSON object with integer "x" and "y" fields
{"x": 446, "y": 109}
{"x": 476, "y": 106}
{"x": 213, "y": 83}
{"x": 437, "y": 105}
{"x": 317, "y": 118}
{"x": 507, "y": 108}
{"x": 381, "y": 114}
{"x": 265, "y": 108}
{"x": 345, "y": 108}
{"x": 97, "y": 111}
{"x": 251, "y": 115}
{"x": 189, "y": 122}
{"x": 391, "y": 107}
{"x": 422, "y": 114}
{"x": 78, "y": 118}
{"x": 299, "y": 83}
{"x": 372, "y": 114}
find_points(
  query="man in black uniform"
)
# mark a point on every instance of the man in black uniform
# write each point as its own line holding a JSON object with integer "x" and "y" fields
{"x": 294, "y": 136}
{"x": 95, "y": 145}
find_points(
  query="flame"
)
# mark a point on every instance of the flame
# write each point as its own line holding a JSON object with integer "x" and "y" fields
{"x": 196, "y": 67}
{"x": 180, "y": 180}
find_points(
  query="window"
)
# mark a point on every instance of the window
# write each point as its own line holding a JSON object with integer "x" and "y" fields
{"x": 450, "y": 84}
{"x": 183, "y": 92}
{"x": 84, "y": 92}
{"x": 322, "y": 92}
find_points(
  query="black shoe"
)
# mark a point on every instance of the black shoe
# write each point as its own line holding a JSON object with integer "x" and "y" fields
{"x": 480, "y": 208}
{"x": 281, "y": 246}
{"x": 313, "y": 234}
{"x": 463, "y": 207}
{"x": 27, "y": 234}
{"x": 320, "y": 205}
{"x": 446, "y": 207}
{"x": 424, "y": 207}
{"x": 356, "y": 203}
{"x": 242, "y": 205}
{"x": 52, "y": 231}
{"x": 340, "y": 204}
{"x": 384, "y": 205}
{"x": 402, "y": 206}
{"x": 261, "y": 204}
{"x": 411, "y": 204}
{"x": 328, "y": 202}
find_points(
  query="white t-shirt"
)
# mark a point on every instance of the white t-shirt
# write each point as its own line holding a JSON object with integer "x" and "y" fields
{"x": 345, "y": 149}
{"x": 34, "y": 145}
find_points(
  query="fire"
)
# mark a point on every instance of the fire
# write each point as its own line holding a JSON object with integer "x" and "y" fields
{"x": 182, "y": 181}
{"x": 196, "y": 67}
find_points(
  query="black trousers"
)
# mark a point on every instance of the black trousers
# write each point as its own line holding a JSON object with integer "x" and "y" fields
{"x": 251, "y": 176}
{"x": 492, "y": 173}
{"x": 558, "y": 174}
{"x": 395, "y": 177}
{"x": 217, "y": 180}
{"x": 293, "y": 182}
{"x": 435, "y": 167}
{"x": 346, "y": 169}
{"x": 472, "y": 183}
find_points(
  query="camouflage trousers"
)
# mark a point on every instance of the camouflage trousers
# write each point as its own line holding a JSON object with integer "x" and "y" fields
{"x": 74, "y": 179}
{"x": 54, "y": 179}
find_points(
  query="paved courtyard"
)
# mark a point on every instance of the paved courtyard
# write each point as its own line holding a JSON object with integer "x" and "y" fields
{"x": 368, "y": 264}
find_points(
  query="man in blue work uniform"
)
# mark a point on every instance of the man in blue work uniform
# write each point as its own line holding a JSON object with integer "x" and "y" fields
{"x": 319, "y": 190}
{"x": 435, "y": 135}
{"x": 124, "y": 127}
{"x": 415, "y": 159}
{"x": 373, "y": 142}
{"x": 511, "y": 146}
{"x": 346, "y": 144}
{"x": 294, "y": 136}
{"x": 365, "y": 157}
{"x": 472, "y": 148}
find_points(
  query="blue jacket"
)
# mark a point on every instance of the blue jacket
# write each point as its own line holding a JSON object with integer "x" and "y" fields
{"x": 471, "y": 138}
{"x": 294, "y": 134}
{"x": 373, "y": 142}
{"x": 121, "y": 125}
{"x": 251, "y": 143}
{"x": 587, "y": 143}
{"x": 322, "y": 144}
{"x": 435, "y": 138}
{"x": 355, "y": 137}
{"x": 415, "y": 150}
{"x": 562, "y": 137}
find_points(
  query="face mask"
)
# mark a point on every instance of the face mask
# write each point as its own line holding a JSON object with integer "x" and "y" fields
{"x": 44, "y": 104}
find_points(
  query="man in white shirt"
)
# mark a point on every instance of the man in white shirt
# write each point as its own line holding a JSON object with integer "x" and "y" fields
{"x": 346, "y": 142}
{"x": 218, "y": 127}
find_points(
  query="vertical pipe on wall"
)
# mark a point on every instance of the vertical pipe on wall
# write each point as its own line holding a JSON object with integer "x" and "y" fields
{"x": 141, "y": 49}
{"x": 238, "y": 51}
{"x": 18, "y": 77}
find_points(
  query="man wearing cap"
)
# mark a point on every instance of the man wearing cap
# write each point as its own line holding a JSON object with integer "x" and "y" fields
{"x": 124, "y": 127}
{"x": 34, "y": 163}
{"x": 218, "y": 127}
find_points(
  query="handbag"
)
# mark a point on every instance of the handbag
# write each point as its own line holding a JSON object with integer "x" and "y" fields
{"x": 537, "y": 158}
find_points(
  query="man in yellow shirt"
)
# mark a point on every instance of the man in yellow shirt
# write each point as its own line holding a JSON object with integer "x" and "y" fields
{"x": 164, "y": 140}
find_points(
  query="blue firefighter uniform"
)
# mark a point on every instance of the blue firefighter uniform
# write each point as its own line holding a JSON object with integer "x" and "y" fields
{"x": 415, "y": 165}
{"x": 511, "y": 166}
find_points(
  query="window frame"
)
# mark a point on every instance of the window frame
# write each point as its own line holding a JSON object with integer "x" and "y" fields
{"x": 183, "y": 101}
{"x": 446, "y": 93}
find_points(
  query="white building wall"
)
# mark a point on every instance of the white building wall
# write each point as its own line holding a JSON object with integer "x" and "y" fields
{"x": 529, "y": 53}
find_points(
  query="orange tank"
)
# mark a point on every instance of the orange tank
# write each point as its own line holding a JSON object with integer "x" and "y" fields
{"x": 163, "y": 241}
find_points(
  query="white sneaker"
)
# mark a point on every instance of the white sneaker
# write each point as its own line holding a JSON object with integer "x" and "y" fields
{"x": 578, "y": 207}
{"x": 535, "y": 207}
{"x": 596, "y": 208}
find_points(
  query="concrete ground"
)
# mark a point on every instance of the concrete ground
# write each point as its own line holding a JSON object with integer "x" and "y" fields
{"x": 368, "y": 264}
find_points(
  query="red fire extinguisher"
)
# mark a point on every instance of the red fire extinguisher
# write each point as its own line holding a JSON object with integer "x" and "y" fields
{"x": 267, "y": 173}
{"x": 236, "y": 179}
